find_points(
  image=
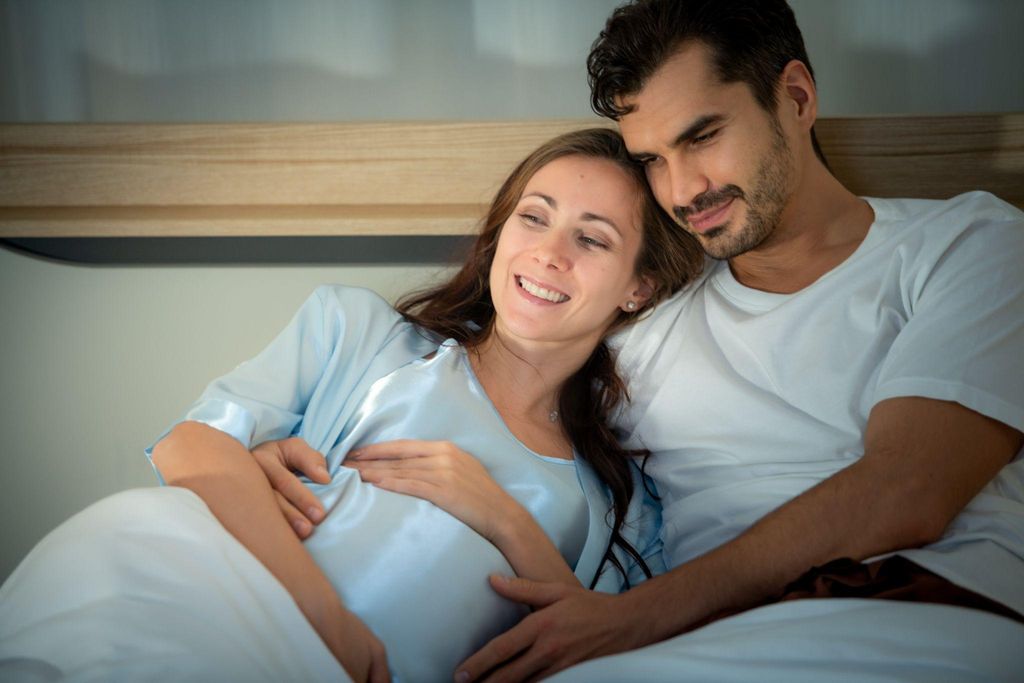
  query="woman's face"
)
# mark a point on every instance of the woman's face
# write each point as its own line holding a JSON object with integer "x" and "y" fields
{"x": 564, "y": 264}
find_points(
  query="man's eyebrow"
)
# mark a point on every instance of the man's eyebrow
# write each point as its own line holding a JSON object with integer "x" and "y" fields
{"x": 691, "y": 131}
{"x": 695, "y": 128}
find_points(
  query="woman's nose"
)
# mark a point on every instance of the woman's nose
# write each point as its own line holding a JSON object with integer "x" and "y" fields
{"x": 552, "y": 251}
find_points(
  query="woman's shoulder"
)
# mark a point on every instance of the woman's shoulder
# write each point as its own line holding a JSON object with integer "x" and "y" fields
{"x": 345, "y": 297}
{"x": 343, "y": 307}
{"x": 356, "y": 315}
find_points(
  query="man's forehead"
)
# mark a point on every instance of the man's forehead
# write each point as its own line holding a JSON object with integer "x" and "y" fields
{"x": 683, "y": 91}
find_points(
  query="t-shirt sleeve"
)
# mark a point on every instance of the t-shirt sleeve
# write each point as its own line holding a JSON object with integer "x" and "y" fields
{"x": 337, "y": 332}
{"x": 964, "y": 338}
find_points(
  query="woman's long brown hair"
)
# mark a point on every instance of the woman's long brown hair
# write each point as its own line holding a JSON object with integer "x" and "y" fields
{"x": 462, "y": 309}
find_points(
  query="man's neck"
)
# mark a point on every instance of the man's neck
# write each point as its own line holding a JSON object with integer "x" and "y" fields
{"x": 821, "y": 226}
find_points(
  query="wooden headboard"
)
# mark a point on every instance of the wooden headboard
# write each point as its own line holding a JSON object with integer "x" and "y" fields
{"x": 149, "y": 180}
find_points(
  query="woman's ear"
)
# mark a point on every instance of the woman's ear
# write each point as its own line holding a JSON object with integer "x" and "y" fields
{"x": 639, "y": 297}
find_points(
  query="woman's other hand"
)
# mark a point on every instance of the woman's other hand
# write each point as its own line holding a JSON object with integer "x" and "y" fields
{"x": 354, "y": 645}
{"x": 280, "y": 460}
{"x": 445, "y": 475}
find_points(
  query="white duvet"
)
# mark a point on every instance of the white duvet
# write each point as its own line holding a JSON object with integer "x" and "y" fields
{"x": 147, "y": 586}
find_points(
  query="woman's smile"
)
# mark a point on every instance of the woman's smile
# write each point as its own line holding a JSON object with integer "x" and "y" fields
{"x": 545, "y": 293}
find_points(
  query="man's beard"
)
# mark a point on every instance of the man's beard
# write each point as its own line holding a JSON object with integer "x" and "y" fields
{"x": 764, "y": 205}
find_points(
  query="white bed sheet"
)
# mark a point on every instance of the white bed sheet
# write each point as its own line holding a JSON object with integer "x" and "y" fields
{"x": 147, "y": 586}
{"x": 835, "y": 640}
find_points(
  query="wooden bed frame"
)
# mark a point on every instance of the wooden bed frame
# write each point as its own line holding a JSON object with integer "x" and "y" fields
{"x": 290, "y": 179}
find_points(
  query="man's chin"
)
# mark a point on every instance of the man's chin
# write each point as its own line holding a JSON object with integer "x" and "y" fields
{"x": 716, "y": 242}
{"x": 713, "y": 235}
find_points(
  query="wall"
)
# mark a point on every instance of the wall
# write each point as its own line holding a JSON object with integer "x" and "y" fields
{"x": 202, "y": 60}
{"x": 96, "y": 360}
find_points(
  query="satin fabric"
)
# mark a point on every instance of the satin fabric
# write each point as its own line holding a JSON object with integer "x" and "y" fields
{"x": 147, "y": 585}
{"x": 412, "y": 572}
{"x": 349, "y": 371}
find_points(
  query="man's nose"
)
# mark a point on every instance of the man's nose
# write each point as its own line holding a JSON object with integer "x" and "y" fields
{"x": 686, "y": 182}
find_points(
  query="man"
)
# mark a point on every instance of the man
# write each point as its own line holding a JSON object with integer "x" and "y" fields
{"x": 846, "y": 381}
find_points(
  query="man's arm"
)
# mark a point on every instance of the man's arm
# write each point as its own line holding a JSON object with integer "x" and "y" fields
{"x": 924, "y": 461}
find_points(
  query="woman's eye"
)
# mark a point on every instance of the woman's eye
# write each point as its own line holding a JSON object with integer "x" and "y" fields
{"x": 592, "y": 243}
{"x": 531, "y": 219}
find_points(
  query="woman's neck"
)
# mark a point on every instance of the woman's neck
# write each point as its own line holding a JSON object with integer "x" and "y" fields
{"x": 524, "y": 382}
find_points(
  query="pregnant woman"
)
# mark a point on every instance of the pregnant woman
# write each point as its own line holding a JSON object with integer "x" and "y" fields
{"x": 506, "y": 361}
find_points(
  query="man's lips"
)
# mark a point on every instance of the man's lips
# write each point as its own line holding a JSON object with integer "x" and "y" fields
{"x": 712, "y": 218}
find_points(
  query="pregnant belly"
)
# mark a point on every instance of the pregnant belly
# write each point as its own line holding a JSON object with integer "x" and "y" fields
{"x": 416, "y": 575}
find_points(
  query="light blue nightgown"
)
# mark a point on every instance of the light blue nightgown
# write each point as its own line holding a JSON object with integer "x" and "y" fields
{"x": 349, "y": 371}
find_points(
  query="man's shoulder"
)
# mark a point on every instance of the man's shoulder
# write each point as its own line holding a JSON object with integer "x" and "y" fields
{"x": 684, "y": 296}
{"x": 663, "y": 315}
{"x": 972, "y": 225}
{"x": 956, "y": 213}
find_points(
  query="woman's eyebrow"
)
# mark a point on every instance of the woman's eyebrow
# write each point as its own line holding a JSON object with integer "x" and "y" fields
{"x": 597, "y": 217}
{"x": 550, "y": 200}
{"x": 587, "y": 216}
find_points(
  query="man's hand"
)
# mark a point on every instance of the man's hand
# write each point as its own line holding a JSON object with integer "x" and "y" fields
{"x": 571, "y": 625}
{"x": 280, "y": 460}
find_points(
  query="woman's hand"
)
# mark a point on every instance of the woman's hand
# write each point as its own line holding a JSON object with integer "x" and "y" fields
{"x": 445, "y": 475}
{"x": 353, "y": 644}
{"x": 456, "y": 482}
{"x": 223, "y": 473}
{"x": 280, "y": 460}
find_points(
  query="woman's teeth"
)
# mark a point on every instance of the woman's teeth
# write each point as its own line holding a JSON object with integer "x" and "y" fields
{"x": 541, "y": 293}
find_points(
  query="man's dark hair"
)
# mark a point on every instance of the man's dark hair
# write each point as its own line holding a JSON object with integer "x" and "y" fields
{"x": 751, "y": 41}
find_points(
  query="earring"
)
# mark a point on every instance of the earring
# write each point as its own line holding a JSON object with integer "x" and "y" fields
{"x": 631, "y": 305}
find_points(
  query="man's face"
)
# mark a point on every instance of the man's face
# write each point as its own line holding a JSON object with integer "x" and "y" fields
{"x": 715, "y": 159}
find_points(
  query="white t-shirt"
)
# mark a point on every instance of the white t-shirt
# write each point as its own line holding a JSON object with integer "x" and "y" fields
{"x": 749, "y": 398}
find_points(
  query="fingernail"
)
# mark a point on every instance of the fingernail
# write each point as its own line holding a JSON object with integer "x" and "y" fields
{"x": 301, "y": 527}
{"x": 501, "y": 578}
{"x": 314, "y": 513}
{"x": 354, "y": 455}
{"x": 322, "y": 471}
{"x": 461, "y": 677}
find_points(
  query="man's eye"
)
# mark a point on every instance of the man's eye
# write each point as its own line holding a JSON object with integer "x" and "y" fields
{"x": 705, "y": 137}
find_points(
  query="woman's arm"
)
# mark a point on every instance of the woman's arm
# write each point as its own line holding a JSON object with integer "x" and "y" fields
{"x": 223, "y": 473}
{"x": 456, "y": 482}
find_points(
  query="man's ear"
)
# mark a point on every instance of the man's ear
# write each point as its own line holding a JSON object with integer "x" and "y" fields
{"x": 798, "y": 96}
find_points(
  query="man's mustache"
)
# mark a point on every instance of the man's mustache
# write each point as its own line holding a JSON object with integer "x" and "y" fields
{"x": 707, "y": 200}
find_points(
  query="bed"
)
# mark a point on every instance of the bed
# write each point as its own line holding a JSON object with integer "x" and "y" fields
{"x": 396, "y": 180}
{"x": 400, "y": 178}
